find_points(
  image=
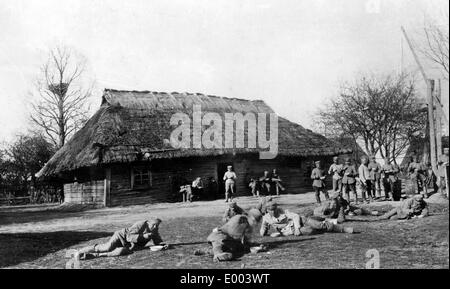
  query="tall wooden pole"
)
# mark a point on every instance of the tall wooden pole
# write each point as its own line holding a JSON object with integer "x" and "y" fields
{"x": 438, "y": 121}
{"x": 430, "y": 89}
{"x": 430, "y": 101}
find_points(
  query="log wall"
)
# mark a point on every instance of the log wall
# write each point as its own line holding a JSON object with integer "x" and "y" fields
{"x": 168, "y": 175}
{"x": 90, "y": 192}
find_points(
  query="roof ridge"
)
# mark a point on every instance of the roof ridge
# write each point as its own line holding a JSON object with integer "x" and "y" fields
{"x": 175, "y": 93}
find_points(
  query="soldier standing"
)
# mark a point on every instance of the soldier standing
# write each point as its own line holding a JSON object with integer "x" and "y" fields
{"x": 229, "y": 177}
{"x": 336, "y": 170}
{"x": 318, "y": 177}
{"x": 443, "y": 168}
{"x": 364, "y": 179}
{"x": 375, "y": 177}
{"x": 389, "y": 172}
{"x": 349, "y": 181}
{"x": 416, "y": 172}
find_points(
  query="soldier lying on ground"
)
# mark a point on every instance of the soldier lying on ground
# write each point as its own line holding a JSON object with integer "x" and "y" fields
{"x": 414, "y": 207}
{"x": 124, "y": 241}
{"x": 337, "y": 207}
{"x": 288, "y": 223}
{"x": 232, "y": 210}
{"x": 233, "y": 238}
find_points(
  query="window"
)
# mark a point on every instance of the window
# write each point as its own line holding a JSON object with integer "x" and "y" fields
{"x": 141, "y": 178}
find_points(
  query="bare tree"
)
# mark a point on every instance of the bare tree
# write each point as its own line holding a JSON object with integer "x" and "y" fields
{"x": 436, "y": 48}
{"x": 61, "y": 107}
{"x": 381, "y": 112}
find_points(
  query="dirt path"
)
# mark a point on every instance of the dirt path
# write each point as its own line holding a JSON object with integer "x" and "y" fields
{"x": 47, "y": 219}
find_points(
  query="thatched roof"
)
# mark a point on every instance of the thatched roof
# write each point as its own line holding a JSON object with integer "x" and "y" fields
{"x": 135, "y": 125}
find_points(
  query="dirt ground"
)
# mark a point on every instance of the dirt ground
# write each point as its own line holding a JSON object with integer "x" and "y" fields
{"x": 40, "y": 236}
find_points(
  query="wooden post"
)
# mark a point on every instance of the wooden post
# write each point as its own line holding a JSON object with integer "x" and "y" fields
{"x": 430, "y": 89}
{"x": 438, "y": 121}
{"x": 107, "y": 187}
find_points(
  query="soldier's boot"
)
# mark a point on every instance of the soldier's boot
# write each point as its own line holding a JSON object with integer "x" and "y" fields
{"x": 223, "y": 257}
{"x": 340, "y": 229}
{"x": 87, "y": 252}
{"x": 318, "y": 199}
{"x": 348, "y": 230}
{"x": 227, "y": 196}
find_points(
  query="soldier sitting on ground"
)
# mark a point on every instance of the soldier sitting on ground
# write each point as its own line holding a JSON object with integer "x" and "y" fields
{"x": 232, "y": 210}
{"x": 265, "y": 183}
{"x": 288, "y": 223}
{"x": 333, "y": 208}
{"x": 123, "y": 242}
{"x": 186, "y": 192}
{"x": 278, "y": 183}
{"x": 414, "y": 207}
{"x": 254, "y": 187}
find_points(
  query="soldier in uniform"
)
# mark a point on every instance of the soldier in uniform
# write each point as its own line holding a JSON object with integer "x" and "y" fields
{"x": 230, "y": 178}
{"x": 277, "y": 182}
{"x": 288, "y": 223}
{"x": 348, "y": 180}
{"x": 232, "y": 210}
{"x": 375, "y": 177}
{"x": 262, "y": 205}
{"x": 254, "y": 187}
{"x": 338, "y": 208}
{"x": 416, "y": 171}
{"x": 389, "y": 172}
{"x": 414, "y": 207}
{"x": 442, "y": 169}
{"x": 265, "y": 183}
{"x": 336, "y": 171}
{"x": 233, "y": 238}
{"x": 332, "y": 209}
{"x": 318, "y": 177}
{"x": 364, "y": 179}
{"x": 125, "y": 241}
{"x": 197, "y": 188}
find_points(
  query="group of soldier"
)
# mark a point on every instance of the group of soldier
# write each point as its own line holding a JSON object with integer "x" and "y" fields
{"x": 233, "y": 238}
{"x": 370, "y": 177}
{"x": 373, "y": 178}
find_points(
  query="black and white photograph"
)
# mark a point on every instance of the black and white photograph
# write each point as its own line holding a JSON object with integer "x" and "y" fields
{"x": 224, "y": 138}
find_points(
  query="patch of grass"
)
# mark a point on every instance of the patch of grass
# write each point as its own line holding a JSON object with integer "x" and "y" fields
{"x": 417, "y": 243}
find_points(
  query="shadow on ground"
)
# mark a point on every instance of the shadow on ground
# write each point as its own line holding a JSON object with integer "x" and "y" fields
{"x": 24, "y": 247}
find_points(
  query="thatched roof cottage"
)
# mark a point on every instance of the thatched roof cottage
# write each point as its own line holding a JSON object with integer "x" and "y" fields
{"x": 122, "y": 155}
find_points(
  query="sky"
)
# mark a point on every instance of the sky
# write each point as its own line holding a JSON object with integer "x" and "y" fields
{"x": 291, "y": 54}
